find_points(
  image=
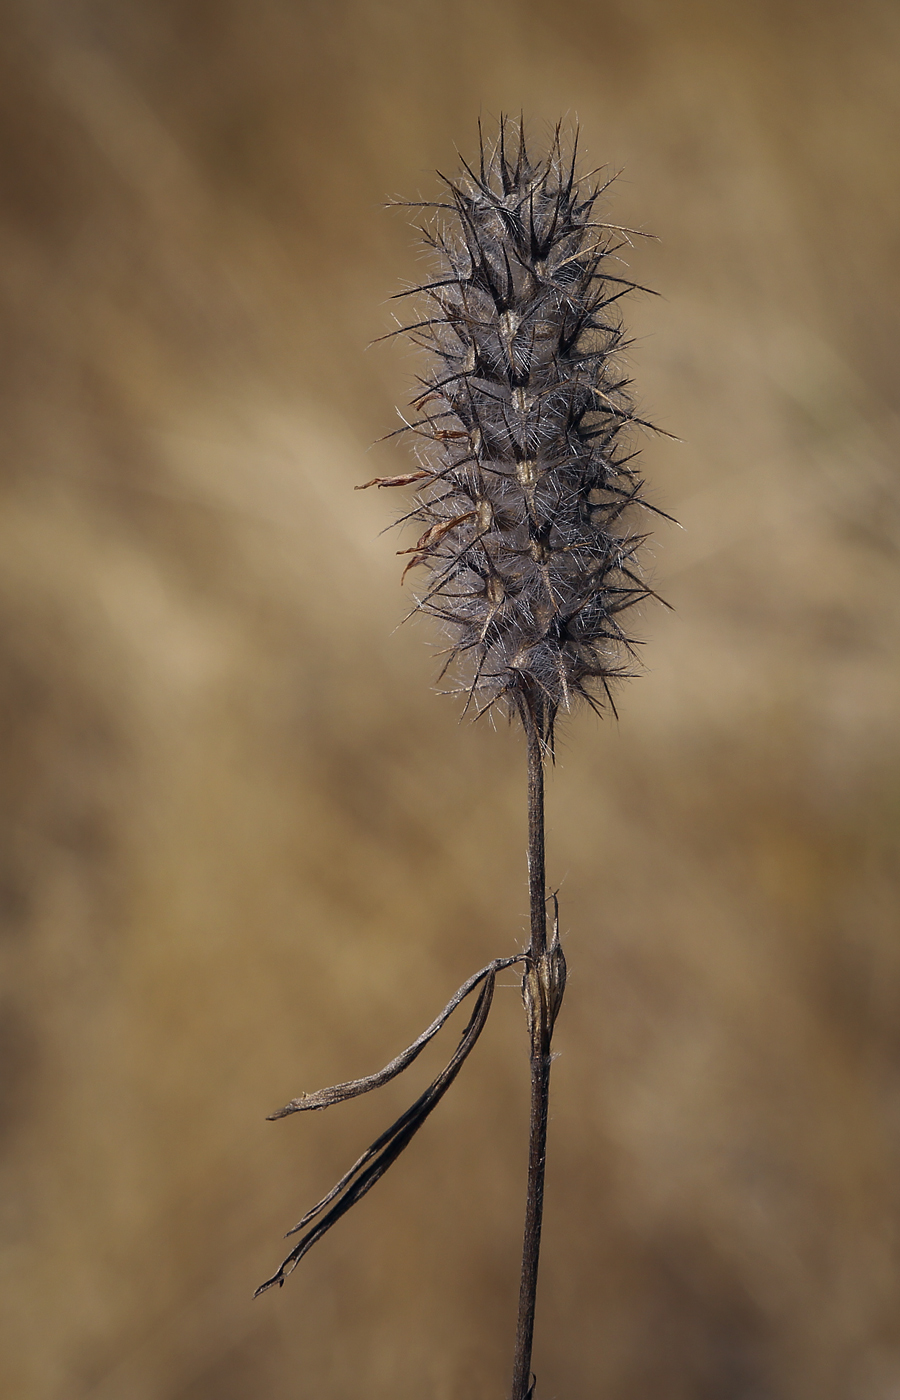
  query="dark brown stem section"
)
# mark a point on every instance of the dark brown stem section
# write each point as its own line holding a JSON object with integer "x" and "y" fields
{"x": 536, "y": 876}
{"x": 539, "y": 999}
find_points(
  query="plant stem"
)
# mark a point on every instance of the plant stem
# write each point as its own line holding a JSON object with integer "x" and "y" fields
{"x": 536, "y": 992}
{"x": 536, "y": 878}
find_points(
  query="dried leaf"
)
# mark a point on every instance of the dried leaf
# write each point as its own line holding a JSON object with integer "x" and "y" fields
{"x": 337, "y": 1093}
{"x": 385, "y": 1150}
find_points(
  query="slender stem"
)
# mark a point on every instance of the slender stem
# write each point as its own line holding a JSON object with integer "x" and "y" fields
{"x": 536, "y": 876}
{"x": 536, "y": 992}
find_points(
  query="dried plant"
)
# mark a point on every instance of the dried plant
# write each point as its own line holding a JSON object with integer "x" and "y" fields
{"x": 528, "y": 494}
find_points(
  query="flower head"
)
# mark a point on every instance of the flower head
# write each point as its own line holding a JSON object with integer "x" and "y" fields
{"x": 528, "y": 493}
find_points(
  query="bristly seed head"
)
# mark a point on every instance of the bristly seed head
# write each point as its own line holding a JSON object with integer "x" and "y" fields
{"x": 529, "y": 494}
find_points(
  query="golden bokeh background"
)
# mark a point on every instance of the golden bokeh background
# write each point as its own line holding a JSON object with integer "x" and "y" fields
{"x": 248, "y": 851}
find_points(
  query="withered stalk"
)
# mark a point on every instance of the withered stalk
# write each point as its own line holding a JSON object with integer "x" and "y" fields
{"x": 542, "y": 989}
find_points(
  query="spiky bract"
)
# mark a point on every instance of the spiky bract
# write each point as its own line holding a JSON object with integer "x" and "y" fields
{"x": 529, "y": 494}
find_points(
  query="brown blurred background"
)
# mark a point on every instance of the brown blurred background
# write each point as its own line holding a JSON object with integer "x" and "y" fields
{"x": 248, "y": 852}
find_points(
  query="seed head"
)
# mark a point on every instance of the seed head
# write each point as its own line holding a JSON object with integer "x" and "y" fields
{"x": 528, "y": 491}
